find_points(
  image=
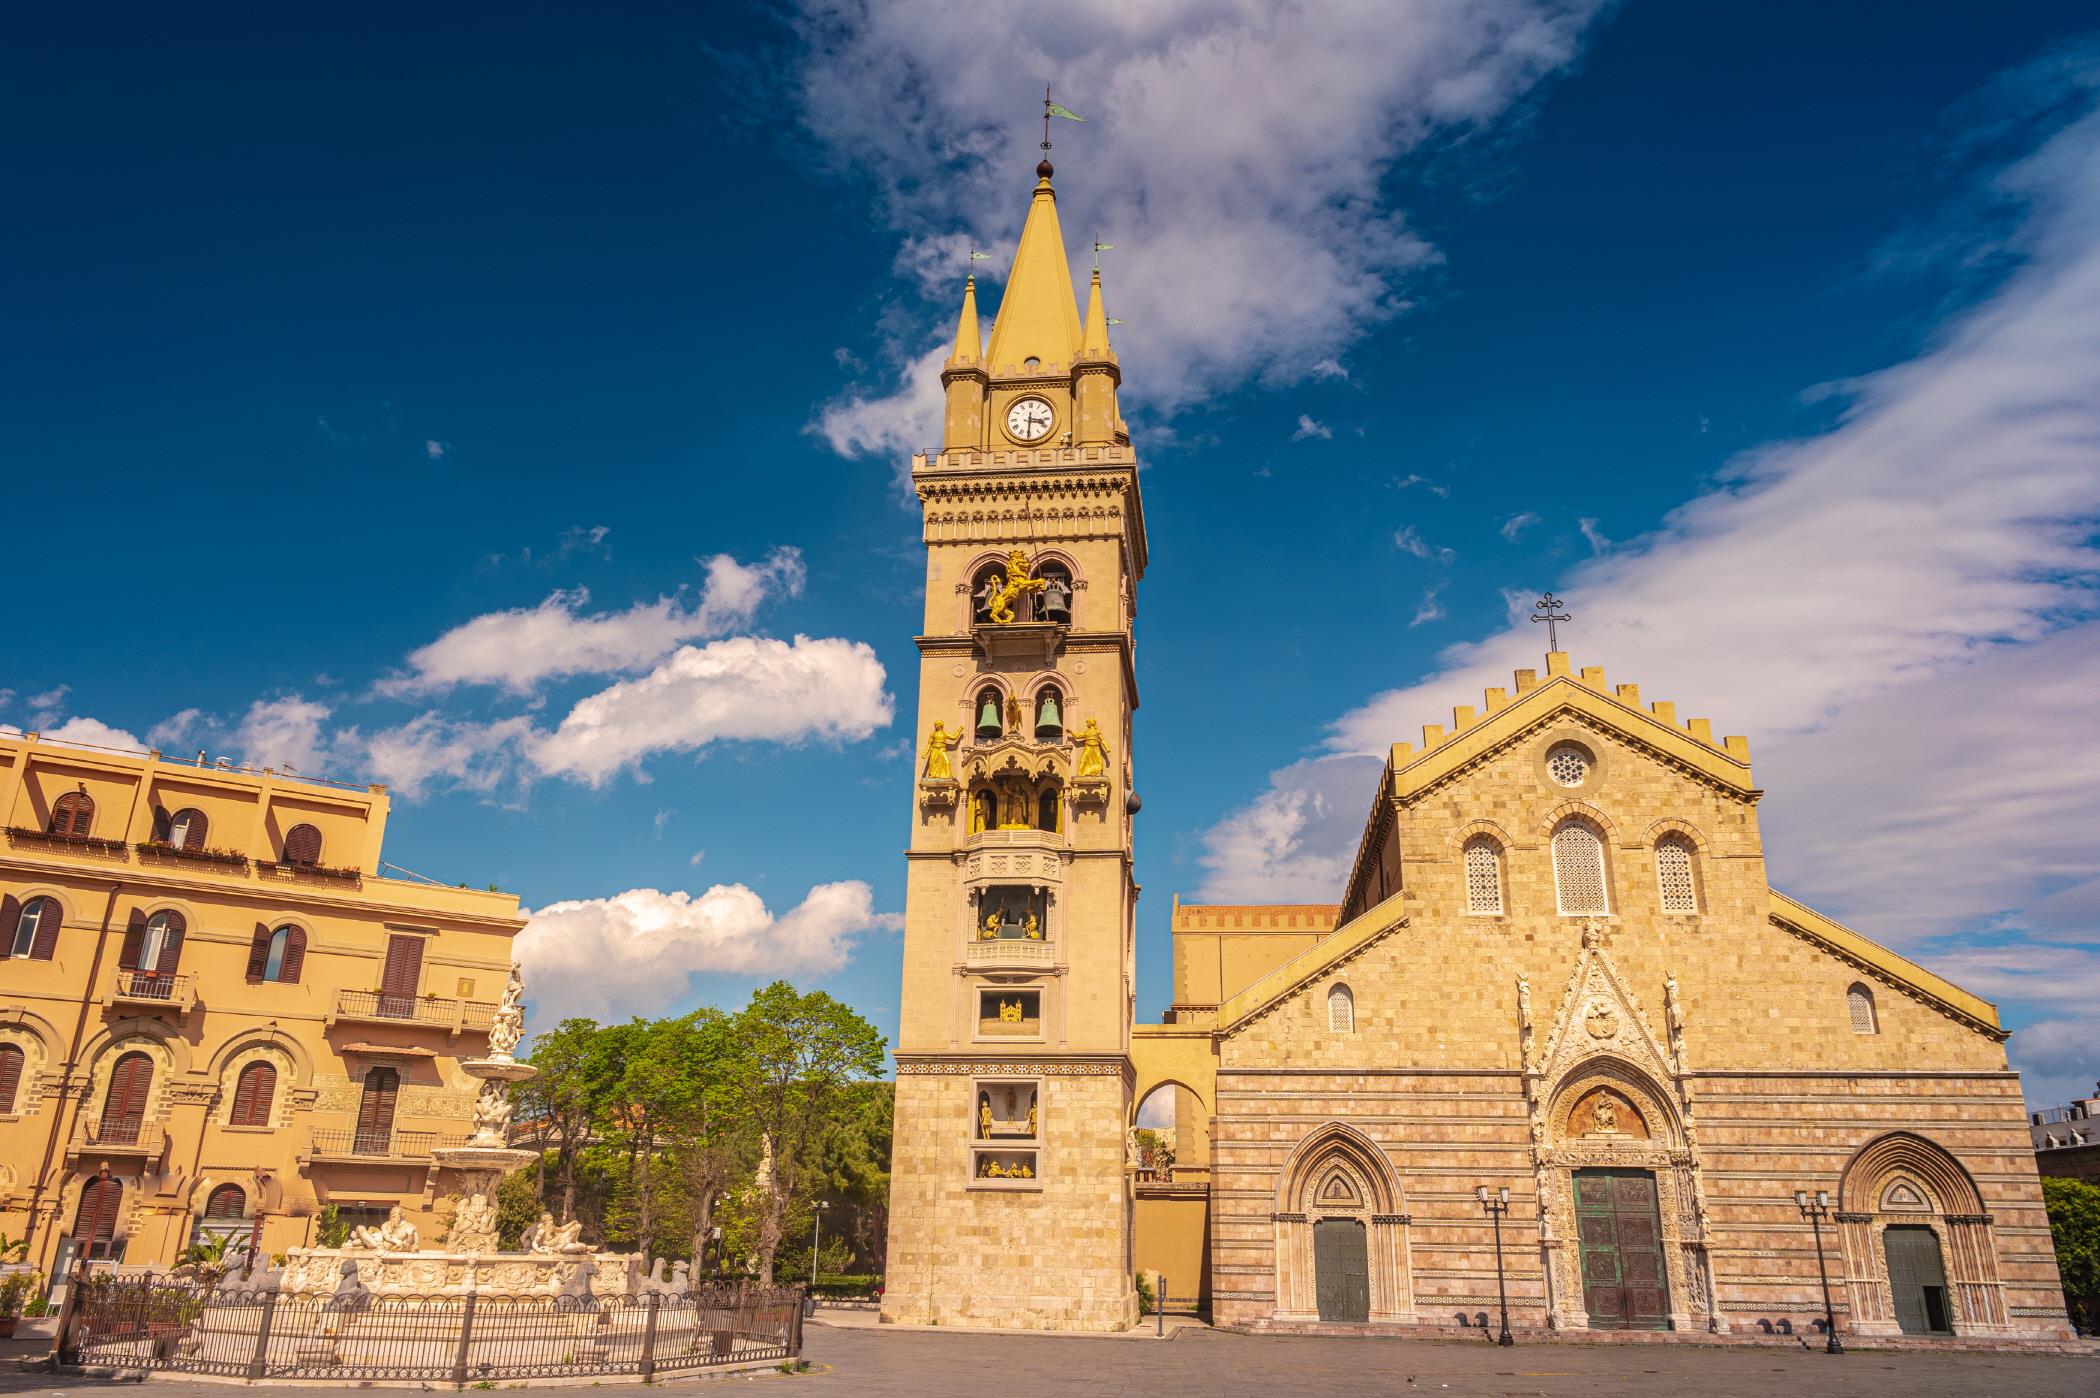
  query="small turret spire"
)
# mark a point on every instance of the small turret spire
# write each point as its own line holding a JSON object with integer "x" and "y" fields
{"x": 969, "y": 341}
{"x": 1094, "y": 343}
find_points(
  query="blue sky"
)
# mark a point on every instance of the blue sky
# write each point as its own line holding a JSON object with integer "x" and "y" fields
{"x": 510, "y": 406}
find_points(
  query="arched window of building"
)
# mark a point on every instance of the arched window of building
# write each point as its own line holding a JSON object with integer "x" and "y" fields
{"x": 1673, "y": 875}
{"x": 1578, "y": 868}
{"x": 226, "y": 1203}
{"x": 124, "y": 1107}
{"x": 1341, "y": 1010}
{"x": 989, "y": 709}
{"x": 983, "y": 587}
{"x": 73, "y": 814}
{"x": 276, "y": 954}
{"x": 1046, "y": 808}
{"x": 95, "y": 1225}
{"x": 183, "y": 830}
{"x": 1054, "y": 602}
{"x": 984, "y": 810}
{"x": 34, "y": 931}
{"x": 254, "y": 1094}
{"x": 153, "y": 945}
{"x": 10, "y": 1076}
{"x": 1859, "y": 1004}
{"x": 1050, "y": 714}
{"x": 302, "y": 845}
{"x": 1483, "y": 875}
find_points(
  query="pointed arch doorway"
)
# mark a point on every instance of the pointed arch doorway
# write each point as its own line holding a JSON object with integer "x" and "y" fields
{"x": 1341, "y": 1270}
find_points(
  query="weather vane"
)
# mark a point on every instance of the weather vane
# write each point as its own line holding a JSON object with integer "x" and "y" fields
{"x": 1051, "y": 109}
{"x": 1547, "y": 609}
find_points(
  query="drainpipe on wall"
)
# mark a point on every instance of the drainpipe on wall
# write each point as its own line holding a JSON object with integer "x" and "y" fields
{"x": 59, "y": 1124}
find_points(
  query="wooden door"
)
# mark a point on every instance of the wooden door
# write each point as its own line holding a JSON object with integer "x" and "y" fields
{"x": 124, "y": 1108}
{"x": 1620, "y": 1228}
{"x": 1917, "y": 1280}
{"x": 95, "y": 1225}
{"x": 375, "y": 1112}
{"x": 397, "y": 984}
{"x": 1341, "y": 1270}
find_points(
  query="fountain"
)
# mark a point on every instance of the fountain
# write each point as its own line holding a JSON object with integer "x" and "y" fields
{"x": 387, "y": 1260}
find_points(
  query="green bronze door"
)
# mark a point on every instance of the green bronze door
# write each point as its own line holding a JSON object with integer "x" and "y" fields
{"x": 1341, "y": 1269}
{"x": 1917, "y": 1280}
{"x": 1620, "y": 1232}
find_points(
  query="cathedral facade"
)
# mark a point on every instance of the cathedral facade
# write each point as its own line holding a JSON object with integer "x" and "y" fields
{"x": 1559, "y": 1045}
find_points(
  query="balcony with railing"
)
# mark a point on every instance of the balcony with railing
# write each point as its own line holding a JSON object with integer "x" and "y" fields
{"x": 125, "y": 1137}
{"x": 422, "y": 1011}
{"x": 155, "y": 989}
{"x": 354, "y": 1145}
{"x": 1010, "y": 951}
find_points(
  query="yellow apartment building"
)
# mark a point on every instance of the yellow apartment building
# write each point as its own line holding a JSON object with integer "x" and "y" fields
{"x": 216, "y": 1015}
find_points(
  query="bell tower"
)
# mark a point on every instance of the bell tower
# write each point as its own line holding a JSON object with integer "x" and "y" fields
{"x": 1010, "y": 1201}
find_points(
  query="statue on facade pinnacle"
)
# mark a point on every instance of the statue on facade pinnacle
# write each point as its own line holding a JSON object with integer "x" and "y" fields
{"x": 1093, "y": 755}
{"x": 937, "y": 744}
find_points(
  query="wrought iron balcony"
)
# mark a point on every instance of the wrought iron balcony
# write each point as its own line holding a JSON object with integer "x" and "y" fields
{"x": 175, "y": 992}
{"x": 350, "y": 1143}
{"x": 428, "y": 1011}
{"x": 125, "y": 1137}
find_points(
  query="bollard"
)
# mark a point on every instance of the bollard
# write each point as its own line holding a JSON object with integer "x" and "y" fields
{"x": 649, "y": 1339}
{"x": 466, "y": 1338}
{"x": 260, "y": 1365}
{"x": 1159, "y": 1302}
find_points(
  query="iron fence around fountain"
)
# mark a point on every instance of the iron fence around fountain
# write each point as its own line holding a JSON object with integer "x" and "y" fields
{"x": 177, "y": 1326}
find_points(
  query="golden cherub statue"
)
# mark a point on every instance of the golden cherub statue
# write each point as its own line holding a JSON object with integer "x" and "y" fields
{"x": 937, "y": 744}
{"x": 1093, "y": 757}
{"x": 1000, "y": 606}
{"x": 1032, "y": 927}
{"x": 990, "y": 930}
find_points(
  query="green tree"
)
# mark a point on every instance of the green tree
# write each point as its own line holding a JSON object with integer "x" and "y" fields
{"x": 2074, "y": 1224}
{"x": 579, "y": 1075}
{"x": 799, "y": 1056}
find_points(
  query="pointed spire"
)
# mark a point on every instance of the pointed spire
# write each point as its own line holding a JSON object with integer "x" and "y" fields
{"x": 1038, "y": 314}
{"x": 969, "y": 341}
{"x": 1094, "y": 344}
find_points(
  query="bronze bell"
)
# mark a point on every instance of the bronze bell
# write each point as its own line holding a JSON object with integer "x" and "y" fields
{"x": 1049, "y": 719}
{"x": 988, "y": 716}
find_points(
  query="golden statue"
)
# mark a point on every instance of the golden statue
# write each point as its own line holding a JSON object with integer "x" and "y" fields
{"x": 988, "y": 1169}
{"x": 1022, "y": 1172}
{"x": 1031, "y": 1118}
{"x": 1032, "y": 927}
{"x": 1014, "y": 812}
{"x": 1000, "y": 605}
{"x": 1009, "y": 1013}
{"x": 1013, "y": 716}
{"x": 1093, "y": 757}
{"x": 937, "y": 744}
{"x": 984, "y": 1119}
{"x": 990, "y": 930}
{"x": 981, "y": 812}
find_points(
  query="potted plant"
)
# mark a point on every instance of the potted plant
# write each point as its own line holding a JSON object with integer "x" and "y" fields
{"x": 13, "y": 1288}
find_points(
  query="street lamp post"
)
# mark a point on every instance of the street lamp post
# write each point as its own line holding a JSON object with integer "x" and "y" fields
{"x": 1815, "y": 1210}
{"x": 1497, "y": 1204}
{"x": 816, "y": 1231}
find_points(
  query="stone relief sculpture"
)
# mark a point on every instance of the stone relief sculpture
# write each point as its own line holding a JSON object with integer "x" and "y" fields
{"x": 492, "y": 1112}
{"x": 546, "y": 1236}
{"x": 474, "y": 1221}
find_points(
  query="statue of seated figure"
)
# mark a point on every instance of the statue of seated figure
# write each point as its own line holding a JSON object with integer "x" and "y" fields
{"x": 397, "y": 1234}
{"x": 547, "y": 1236}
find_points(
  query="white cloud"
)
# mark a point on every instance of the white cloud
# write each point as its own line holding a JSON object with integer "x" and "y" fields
{"x": 1294, "y": 842}
{"x": 893, "y": 424}
{"x": 413, "y": 757}
{"x": 1308, "y": 428}
{"x": 1408, "y": 540}
{"x": 635, "y": 953}
{"x": 1329, "y": 368}
{"x": 1235, "y": 154}
{"x": 746, "y": 687}
{"x": 2057, "y": 1059}
{"x": 520, "y": 648}
{"x": 1430, "y": 608}
{"x": 1883, "y": 606}
{"x": 436, "y": 450}
{"x": 1517, "y": 523}
{"x": 283, "y": 733}
{"x": 91, "y": 732}
{"x": 1593, "y": 536}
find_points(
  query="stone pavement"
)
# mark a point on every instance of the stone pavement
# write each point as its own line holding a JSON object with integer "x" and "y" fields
{"x": 880, "y": 1362}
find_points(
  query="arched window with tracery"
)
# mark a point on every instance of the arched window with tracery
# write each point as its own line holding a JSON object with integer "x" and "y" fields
{"x": 990, "y": 710}
{"x": 1483, "y": 874}
{"x": 254, "y": 1094}
{"x": 73, "y": 815}
{"x": 1673, "y": 875}
{"x": 983, "y": 587}
{"x": 1341, "y": 1010}
{"x": 1048, "y": 809}
{"x": 1859, "y": 1007}
{"x": 1578, "y": 868}
{"x": 1054, "y": 602}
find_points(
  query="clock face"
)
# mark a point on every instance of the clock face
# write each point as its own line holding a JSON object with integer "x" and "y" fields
{"x": 1029, "y": 419}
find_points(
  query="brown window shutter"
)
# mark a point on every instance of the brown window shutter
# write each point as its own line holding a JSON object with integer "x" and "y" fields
{"x": 134, "y": 939}
{"x": 195, "y": 829}
{"x": 375, "y": 1110}
{"x": 10, "y": 1075}
{"x": 95, "y": 1226}
{"x": 259, "y": 953}
{"x": 10, "y": 922}
{"x": 228, "y": 1201}
{"x": 294, "y": 960}
{"x": 171, "y": 947}
{"x": 302, "y": 845}
{"x": 46, "y": 944}
{"x": 255, "y": 1095}
{"x": 124, "y": 1109}
{"x": 404, "y": 968}
{"x": 163, "y": 825}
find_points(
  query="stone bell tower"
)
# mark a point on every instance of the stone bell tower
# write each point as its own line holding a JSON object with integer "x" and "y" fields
{"x": 1010, "y": 1203}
